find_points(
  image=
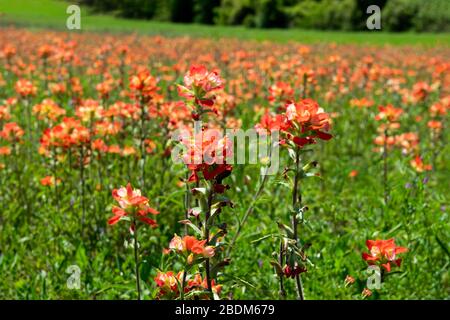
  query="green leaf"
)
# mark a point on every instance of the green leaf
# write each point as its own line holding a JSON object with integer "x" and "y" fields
{"x": 442, "y": 245}
{"x": 216, "y": 209}
{"x": 287, "y": 230}
{"x": 81, "y": 257}
{"x": 199, "y": 192}
{"x": 277, "y": 266}
{"x": 193, "y": 226}
{"x": 145, "y": 270}
{"x": 263, "y": 238}
{"x": 245, "y": 282}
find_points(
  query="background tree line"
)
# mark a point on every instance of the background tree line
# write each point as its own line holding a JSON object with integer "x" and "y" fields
{"x": 397, "y": 15}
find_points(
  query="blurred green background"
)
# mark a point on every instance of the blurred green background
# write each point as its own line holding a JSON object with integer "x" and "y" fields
{"x": 398, "y": 15}
{"x": 234, "y": 21}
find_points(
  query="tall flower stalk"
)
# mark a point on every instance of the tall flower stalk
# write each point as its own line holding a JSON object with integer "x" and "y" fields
{"x": 82, "y": 185}
{"x": 26, "y": 90}
{"x": 54, "y": 161}
{"x": 205, "y": 157}
{"x": 302, "y": 123}
{"x": 297, "y": 203}
{"x": 134, "y": 208}
{"x": 136, "y": 257}
{"x": 388, "y": 116}
{"x": 145, "y": 89}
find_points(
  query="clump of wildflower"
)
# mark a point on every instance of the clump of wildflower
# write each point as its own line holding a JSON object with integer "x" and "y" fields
{"x": 383, "y": 253}
{"x": 131, "y": 203}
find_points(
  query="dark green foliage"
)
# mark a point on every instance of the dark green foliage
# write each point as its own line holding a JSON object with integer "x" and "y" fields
{"x": 327, "y": 14}
{"x": 401, "y": 15}
{"x": 270, "y": 14}
{"x": 138, "y": 8}
{"x": 397, "y": 15}
{"x": 236, "y": 12}
{"x": 181, "y": 10}
{"x": 204, "y": 11}
{"x": 433, "y": 16}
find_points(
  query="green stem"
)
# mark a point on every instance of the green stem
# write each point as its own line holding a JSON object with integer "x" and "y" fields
{"x": 187, "y": 202}
{"x": 385, "y": 168}
{"x": 281, "y": 280}
{"x": 183, "y": 283}
{"x": 54, "y": 167}
{"x": 297, "y": 202}
{"x": 142, "y": 145}
{"x": 83, "y": 187}
{"x": 136, "y": 259}
{"x": 206, "y": 236}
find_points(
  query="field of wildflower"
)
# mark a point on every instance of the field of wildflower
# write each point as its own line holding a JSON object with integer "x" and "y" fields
{"x": 118, "y": 182}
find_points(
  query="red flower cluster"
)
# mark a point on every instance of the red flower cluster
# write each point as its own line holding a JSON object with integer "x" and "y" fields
{"x": 383, "y": 252}
{"x": 69, "y": 133}
{"x": 25, "y": 88}
{"x": 291, "y": 272}
{"x": 48, "y": 109}
{"x": 206, "y": 153}
{"x": 144, "y": 83}
{"x": 89, "y": 110}
{"x": 303, "y": 122}
{"x": 420, "y": 91}
{"x": 389, "y": 113}
{"x": 168, "y": 284}
{"x": 199, "y": 84}
{"x": 49, "y": 181}
{"x": 361, "y": 103}
{"x": 11, "y": 132}
{"x": 131, "y": 202}
{"x": 419, "y": 166}
{"x": 4, "y": 113}
{"x": 189, "y": 244}
{"x": 268, "y": 122}
{"x": 280, "y": 92}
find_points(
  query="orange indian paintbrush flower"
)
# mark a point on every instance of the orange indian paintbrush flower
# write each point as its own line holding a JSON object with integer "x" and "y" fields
{"x": 11, "y": 132}
{"x": 168, "y": 284}
{"x": 191, "y": 244}
{"x": 308, "y": 114}
{"x": 383, "y": 252}
{"x": 199, "y": 84}
{"x": 49, "y": 181}
{"x": 131, "y": 202}
{"x": 207, "y": 154}
{"x": 25, "y": 88}
{"x": 389, "y": 113}
{"x": 144, "y": 84}
{"x": 306, "y": 121}
{"x": 419, "y": 166}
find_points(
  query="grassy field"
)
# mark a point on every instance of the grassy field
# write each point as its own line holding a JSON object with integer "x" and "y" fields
{"x": 52, "y": 14}
{"x": 83, "y": 113}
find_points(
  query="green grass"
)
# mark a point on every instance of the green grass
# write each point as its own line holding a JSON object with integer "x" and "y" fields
{"x": 52, "y": 14}
{"x": 41, "y": 233}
